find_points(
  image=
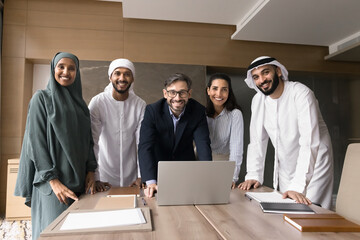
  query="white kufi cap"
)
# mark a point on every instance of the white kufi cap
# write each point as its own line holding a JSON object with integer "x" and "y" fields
{"x": 121, "y": 62}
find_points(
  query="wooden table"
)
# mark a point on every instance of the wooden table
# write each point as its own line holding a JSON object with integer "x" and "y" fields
{"x": 240, "y": 219}
{"x": 169, "y": 222}
{"x": 243, "y": 219}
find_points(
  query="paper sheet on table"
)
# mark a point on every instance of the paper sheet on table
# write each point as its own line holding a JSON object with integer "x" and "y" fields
{"x": 102, "y": 219}
{"x": 274, "y": 197}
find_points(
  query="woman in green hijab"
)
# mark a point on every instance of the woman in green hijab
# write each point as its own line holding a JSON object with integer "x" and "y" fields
{"x": 57, "y": 161}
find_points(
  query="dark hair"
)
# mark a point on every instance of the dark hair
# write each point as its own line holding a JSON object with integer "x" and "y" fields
{"x": 230, "y": 103}
{"x": 178, "y": 77}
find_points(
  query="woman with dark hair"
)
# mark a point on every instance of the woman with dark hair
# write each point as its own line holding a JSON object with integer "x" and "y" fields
{"x": 225, "y": 122}
{"x": 57, "y": 161}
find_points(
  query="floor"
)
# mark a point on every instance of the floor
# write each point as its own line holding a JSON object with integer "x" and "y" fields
{"x": 15, "y": 230}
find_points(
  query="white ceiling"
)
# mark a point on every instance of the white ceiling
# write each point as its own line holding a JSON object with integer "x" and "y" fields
{"x": 330, "y": 23}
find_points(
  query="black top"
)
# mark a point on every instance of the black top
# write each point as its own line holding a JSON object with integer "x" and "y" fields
{"x": 158, "y": 142}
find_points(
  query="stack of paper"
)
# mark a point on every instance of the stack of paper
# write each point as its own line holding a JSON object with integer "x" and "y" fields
{"x": 274, "y": 197}
{"x": 101, "y": 219}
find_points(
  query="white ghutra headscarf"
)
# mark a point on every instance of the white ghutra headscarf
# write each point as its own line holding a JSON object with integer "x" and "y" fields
{"x": 261, "y": 61}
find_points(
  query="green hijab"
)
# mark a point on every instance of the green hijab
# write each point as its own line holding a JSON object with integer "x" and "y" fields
{"x": 57, "y": 140}
{"x": 69, "y": 114}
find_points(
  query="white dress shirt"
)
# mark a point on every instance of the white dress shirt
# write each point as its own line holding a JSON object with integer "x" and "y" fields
{"x": 227, "y": 137}
{"x": 303, "y": 152}
{"x": 115, "y": 127}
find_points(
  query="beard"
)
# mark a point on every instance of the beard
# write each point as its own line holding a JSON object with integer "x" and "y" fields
{"x": 275, "y": 84}
{"x": 122, "y": 91}
{"x": 176, "y": 109}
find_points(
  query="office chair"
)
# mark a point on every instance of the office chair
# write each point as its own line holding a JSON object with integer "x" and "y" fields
{"x": 348, "y": 198}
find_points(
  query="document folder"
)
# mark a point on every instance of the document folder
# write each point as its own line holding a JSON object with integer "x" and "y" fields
{"x": 114, "y": 191}
{"x": 54, "y": 229}
{"x": 116, "y": 202}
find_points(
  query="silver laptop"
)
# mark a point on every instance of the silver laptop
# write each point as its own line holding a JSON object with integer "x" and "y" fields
{"x": 194, "y": 182}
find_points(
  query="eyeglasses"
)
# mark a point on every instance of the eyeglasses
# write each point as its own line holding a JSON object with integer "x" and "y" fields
{"x": 182, "y": 93}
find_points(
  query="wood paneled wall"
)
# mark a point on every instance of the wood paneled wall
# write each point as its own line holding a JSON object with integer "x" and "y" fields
{"x": 34, "y": 30}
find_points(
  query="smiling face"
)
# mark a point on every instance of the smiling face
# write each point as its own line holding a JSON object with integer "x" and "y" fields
{"x": 121, "y": 79}
{"x": 172, "y": 94}
{"x": 218, "y": 92}
{"x": 266, "y": 78}
{"x": 65, "y": 72}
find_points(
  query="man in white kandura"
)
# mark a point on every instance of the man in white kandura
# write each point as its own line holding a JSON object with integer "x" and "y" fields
{"x": 116, "y": 116}
{"x": 289, "y": 114}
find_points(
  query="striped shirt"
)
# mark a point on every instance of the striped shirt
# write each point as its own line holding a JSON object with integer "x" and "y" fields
{"x": 227, "y": 136}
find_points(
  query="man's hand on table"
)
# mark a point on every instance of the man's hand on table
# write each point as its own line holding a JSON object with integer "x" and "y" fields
{"x": 298, "y": 197}
{"x": 246, "y": 185}
{"x": 150, "y": 190}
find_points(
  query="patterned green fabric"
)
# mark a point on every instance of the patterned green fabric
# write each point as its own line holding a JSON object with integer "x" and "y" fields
{"x": 57, "y": 144}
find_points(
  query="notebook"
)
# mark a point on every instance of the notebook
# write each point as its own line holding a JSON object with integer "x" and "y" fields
{"x": 272, "y": 202}
{"x": 295, "y": 208}
{"x": 194, "y": 182}
{"x": 321, "y": 223}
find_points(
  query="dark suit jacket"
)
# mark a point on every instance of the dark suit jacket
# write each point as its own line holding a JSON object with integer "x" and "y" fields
{"x": 159, "y": 143}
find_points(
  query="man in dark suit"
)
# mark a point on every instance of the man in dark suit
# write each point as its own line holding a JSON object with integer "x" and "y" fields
{"x": 169, "y": 128}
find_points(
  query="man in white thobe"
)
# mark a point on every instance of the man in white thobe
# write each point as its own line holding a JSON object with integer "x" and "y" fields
{"x": 116, "y": 116}
{"x": 289, "y": 114}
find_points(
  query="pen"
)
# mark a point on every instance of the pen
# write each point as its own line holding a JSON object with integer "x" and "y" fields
{"x": 248, "y": 197}
{"x": 143, "y": 201}
{"x": 125, "y": 195}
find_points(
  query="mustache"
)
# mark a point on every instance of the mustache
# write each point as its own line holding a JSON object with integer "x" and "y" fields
{"x": 173, "y": 100}
{"x": 265, "y": 82}
{"x": 124, "y": 81}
